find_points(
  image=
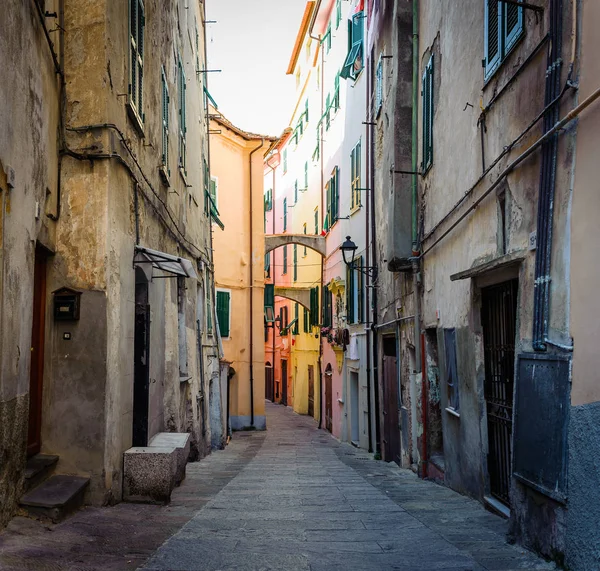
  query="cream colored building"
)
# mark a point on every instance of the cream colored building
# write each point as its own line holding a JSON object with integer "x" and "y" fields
{"x": 236, "y": 160}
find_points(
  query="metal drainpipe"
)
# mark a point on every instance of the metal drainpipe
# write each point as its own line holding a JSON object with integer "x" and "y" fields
{"x": 317, "y": 38}
{"x": 548, "y": 169}
{"x": 274, "y": 279}
{"x": 251, "y": 289}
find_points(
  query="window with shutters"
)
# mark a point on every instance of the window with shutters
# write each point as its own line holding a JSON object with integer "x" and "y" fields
{"x": 295, "y": 191}
{"x": 181, "y": 327}
{"x": 223, "y": 312}
{"x": 269, "y": 303}
{"x": 305, "y": 249}
{"x": 269, "y": 200}
{"x": 316, "y": 221}
{"x": 354, "y": 292}
{"x": 214, "y": 191}
{"x": 338, "y": 13}
{"x": 285, "y": 165}
{"x": 335, "y": 102}
{"x": 284, "y": 214}
{"x": 355, "y": 183}
{"x": 283, "y": 319}
{"x": 268, "y": 265}
{"x": 305, "y": 321}
{"x": 503, "y": 27}
{"x": 451, "y": 368}
{"x": 209, "y": 317}
{"x": 353, "y": 63}
{"x": 284, "y": 260}
{"x": 427, "y": 96}
{"x": 295, "y": 262}
{"x": 137, "y": 24}
{"x": 182, "y": 115}
{"x": 295, "y": 328}
{"x": 326, "y": 40}
{"x": 327, "y": 308}
{"x": 306, "y": 175}
{"x": 314, "y": 306}
{"x": 328, "y": 112}
{"x": 332, "y": 200}
{"x": 379, "y": 86}
{"x": 165, "y": 121}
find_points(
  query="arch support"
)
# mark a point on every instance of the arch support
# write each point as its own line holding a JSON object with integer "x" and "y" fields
{"x": 316, "y": 243}
{"x": 299, "y": 295}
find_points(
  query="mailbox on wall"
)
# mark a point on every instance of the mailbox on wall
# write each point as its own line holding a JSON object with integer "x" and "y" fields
{"x": 67, "y": 303}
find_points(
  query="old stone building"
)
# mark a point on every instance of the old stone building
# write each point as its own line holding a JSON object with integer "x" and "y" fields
{"x": 106, "y": 260}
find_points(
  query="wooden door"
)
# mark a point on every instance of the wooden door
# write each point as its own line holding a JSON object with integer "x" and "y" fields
{"x": 36, "y": 373}
{"x": 391, "y": 411}
{"x": 269, "y": 389}
{"x": 284, "y": 382}
{"x": 328, "y": 403}
{"x": 141, "y": 358}
{"x": 311, "y": 390}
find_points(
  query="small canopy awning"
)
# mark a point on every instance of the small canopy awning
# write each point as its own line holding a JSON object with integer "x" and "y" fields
{"x": 153, "y": 259}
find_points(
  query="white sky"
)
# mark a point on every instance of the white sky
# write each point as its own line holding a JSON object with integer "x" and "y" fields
{"x": 252, "y": 43}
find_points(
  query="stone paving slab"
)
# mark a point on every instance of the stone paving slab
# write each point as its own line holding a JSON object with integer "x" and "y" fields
{"x": 291, "y": 498}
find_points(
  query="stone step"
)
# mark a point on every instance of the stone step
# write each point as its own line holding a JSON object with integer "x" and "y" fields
{"x": 37, "y": 469}
{"x": 56, "y": 498}
{"x": 179, "y": 440}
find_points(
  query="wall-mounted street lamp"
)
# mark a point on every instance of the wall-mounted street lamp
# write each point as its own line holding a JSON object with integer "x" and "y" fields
{"x": 348, "y": 249}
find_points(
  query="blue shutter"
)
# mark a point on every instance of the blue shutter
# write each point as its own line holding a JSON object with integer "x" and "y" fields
{"x": 513, "y": 25}
{"x": 492, "y": 36}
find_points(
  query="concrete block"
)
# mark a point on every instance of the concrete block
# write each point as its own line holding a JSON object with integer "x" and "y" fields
{"x": 179, "y": 440}
{"x": 149, "y": 474}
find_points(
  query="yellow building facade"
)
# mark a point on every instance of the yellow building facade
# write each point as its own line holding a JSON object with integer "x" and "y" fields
{"x": 236, "y": 166}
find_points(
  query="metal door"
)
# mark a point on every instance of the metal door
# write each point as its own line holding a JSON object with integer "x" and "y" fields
{"x": 36, "y": 373}
{"x": 498, "y": 316}
{"x": 311, "y": 390}
{"x": 141, "y": 358}
{"x": 284, "y": 382}
{"x": 328, "y": 403}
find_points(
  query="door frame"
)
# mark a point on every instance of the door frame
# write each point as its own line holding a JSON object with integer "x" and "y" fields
{"x": 141, "y": 372}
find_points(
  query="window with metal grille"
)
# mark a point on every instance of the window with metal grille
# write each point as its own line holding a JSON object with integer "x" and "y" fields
{"x": 223, "y": 312}
{"x": 353, "y": 63}
{"x": 137, "y": 23}
{"x": 379, "y": 86}
{"x": 451, "y": 369}
{"x": 182, "y": 115}
{"x": 503, "y": 27}
{"x": 355, "y": 167}
{"x": 427, "y": 96}
{"x": 165, "y": 121}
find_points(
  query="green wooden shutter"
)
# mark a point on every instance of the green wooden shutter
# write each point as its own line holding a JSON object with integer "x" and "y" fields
{"x": 317, "y": 222}
{"x": 327, "y": 221}
{"x": 350, "y": 295}
{"x": 306, "y": 111}
{"x": 306, "y": 175}
{"x": 284, "y": 214}
{"x": 492, "y": 36}
{"x": 295, "y": 329}
{"x": 326, "y": 307}
{"x": 223, "y": 298}
{"x": 338, "y": 13}
{"x": 305, "y": 321}
{"x": 165, "y": 119}
{"x": 295, "y": 262}
{"x": 269, "y": 295}
{"x": 360, "y": 292}
{"x": 427, "y": 100}
{"x": 268, "y": 264}
{"x": 295, "y": 191}
{"x": 335, "y": 195}
{"x": 285, "y": 259}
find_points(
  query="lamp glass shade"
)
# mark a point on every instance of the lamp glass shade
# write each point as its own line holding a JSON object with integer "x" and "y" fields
{"x": 348, "y": 249}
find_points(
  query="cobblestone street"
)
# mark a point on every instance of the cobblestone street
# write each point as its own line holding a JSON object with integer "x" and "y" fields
{"x": 290, "y": 498}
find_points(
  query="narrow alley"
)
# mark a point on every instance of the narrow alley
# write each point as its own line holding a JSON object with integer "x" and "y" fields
{"x": 288, "y": 498}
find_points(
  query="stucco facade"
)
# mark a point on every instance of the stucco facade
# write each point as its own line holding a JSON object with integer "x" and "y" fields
{"x": 237, "y": 170}
{"x": 97, "y": 186}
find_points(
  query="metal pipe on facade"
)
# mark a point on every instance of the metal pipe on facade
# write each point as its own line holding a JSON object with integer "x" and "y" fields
{"x": 251, "y": 288}
{"x": 415, "y": 121}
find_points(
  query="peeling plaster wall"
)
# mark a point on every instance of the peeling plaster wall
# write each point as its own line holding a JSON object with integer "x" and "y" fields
{"x": 29, "y": 92}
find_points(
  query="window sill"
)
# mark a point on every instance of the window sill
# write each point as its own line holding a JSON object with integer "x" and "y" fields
{"x": 453, "y": 412}
{"x": 356, "y": 209}
{"x": 137, "y": 121}
{"x": 184, "y": 379}
{"x": 164, "y": 175}
{"x": 502, "y": 62}
{"x": 183, "y": 177}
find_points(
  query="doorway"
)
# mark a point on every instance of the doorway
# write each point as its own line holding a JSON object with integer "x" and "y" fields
{"x": 391, "y": 404}
{"x": 435, "y": 435}
{"x": 311, "y": 390}
{"x": 36, "y": 372}
{"x": 141, "y": 359}
{"x": 269, "y": 389}
{"x": 499, "y": 319}
{"x": 354, "y": 430}
{"x": 284, "y": 382}
{"x": 328, "y": 400}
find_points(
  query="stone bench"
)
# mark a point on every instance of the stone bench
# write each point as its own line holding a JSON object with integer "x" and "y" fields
{"x": 178, "y": 440}
{"x": 149, "y": 473}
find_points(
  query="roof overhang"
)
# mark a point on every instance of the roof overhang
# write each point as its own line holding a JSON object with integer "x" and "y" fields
{"x": 506, "y": 261}
{"x": 306, "y": 19}
{"x": 150, "y": 260}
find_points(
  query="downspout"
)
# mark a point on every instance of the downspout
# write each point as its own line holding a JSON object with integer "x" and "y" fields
{"x": 251, "y": 289}
{"x": 274, "y": 281}
{"x": 419, "y": 337}
{"x": 318, "y": 39}
{"x": 369, "y": 115}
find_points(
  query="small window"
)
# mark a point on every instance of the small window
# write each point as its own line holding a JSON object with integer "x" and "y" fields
{"x": 335, "y": 102}
{"x": 503, "y": 27}
{"x": 379, "y": 86}
{"x": 451, "y": 369}
{"x": 214, "y": 191}
{"x": 354, "y": 60}
{"x": 327, "y": 39}
{"x": 427, "y": 96}
{"x": 137, "y": 23}
{"x": 223, "y": 312}
{"x": 269, "y": 303}
{"x": 355, "y": 182}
